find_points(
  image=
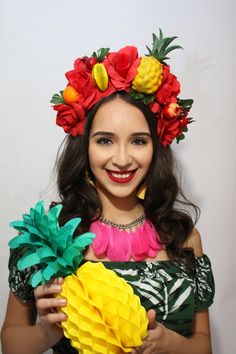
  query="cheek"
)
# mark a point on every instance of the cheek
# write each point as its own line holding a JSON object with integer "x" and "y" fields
{"x": 145, "y": 157}
{"x": 91, "y": 157}
{"x": 97, "y": 158}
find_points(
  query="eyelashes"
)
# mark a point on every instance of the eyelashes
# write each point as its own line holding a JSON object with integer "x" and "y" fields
{"x": 109, "y": 141}
{"x": 104, "y": 141}
{"x": 139, "y": 141}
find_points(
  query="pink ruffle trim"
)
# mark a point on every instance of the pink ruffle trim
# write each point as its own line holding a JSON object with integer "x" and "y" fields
{"x": 120, "y": 246}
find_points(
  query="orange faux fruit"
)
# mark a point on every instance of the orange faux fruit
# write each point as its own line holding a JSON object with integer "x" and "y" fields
{"x": 70, "y": 95}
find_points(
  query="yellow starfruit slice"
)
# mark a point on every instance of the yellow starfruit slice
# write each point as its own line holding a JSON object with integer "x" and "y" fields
{"x": 100, "y": 76}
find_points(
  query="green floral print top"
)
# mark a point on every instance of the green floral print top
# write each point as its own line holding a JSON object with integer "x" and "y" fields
{"x": 164, "y": 286}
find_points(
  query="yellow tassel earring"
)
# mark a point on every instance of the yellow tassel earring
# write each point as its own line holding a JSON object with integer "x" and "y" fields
{"x": 141, "y": 192}
{"x": 89, "y": 179}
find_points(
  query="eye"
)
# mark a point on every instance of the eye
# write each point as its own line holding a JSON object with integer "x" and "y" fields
{"x": 104, "y": 141}
{"x": 139, "y": 141}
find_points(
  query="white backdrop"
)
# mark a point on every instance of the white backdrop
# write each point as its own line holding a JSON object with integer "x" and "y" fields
{"x": 40, "y": 40}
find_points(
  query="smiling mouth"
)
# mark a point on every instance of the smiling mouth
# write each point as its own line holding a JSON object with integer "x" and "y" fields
{"x": 121, "y": 176}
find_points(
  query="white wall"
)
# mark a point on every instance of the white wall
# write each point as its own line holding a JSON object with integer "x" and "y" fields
{"x": 40, "y": 40}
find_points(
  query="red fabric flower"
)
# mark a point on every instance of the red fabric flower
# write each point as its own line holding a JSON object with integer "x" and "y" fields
{"x": 168, "y": 129}
{"x": 155, "y": 107}
{"x": 184, "y": 121}
{"x": 122, "y": 67}
{"x": 81, "y": 79}
{"x": 170, "y": 88}
{"x": 71, "y": 118}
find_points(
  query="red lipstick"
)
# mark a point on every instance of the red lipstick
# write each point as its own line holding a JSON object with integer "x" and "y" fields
{"x": 113, "y": 175}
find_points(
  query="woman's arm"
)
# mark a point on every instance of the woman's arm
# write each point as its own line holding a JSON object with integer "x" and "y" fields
{"x": 162, "y": 340}
{"x": 21, "y": 334}
{"x": 199, "y": 342}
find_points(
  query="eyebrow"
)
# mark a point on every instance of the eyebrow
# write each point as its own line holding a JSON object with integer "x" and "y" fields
{"x": 106, "y": 133}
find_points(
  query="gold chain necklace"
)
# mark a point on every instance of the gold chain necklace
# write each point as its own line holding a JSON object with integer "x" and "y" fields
{"x": 130, "y": 225}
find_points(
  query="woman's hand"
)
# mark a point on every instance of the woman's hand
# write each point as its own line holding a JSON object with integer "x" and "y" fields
{"x": 157, "y": 340}
{"x": 47, "y": 304}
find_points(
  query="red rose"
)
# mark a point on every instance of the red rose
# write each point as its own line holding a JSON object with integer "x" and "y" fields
{"x": 184, "y": 121}
{"x": 81, "y": 79}
{"x": 155, "y": 107}
{"x": 122, "y": 67}
{"x": 168, "y": 129}
{"x": 73, "y": 79}
{"x": 71, "y": 118}
{"x": 88, "y": 61}
{"x": 169, "y": 89}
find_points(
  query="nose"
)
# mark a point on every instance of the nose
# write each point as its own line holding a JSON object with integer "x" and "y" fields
{"x": 122, "y": 157}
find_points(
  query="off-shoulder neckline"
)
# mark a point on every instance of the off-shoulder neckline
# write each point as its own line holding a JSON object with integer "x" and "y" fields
{"x": 163, "y": 261}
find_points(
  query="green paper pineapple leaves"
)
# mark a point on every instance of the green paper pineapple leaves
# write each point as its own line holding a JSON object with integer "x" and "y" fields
{"x": 52, "y": 248}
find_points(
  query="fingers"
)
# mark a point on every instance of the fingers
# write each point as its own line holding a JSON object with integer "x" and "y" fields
{"x": 55, "y": 318}
{"x": 47, "y": 304}
{"x": 58, "y": 281}
{"x": 152, "y": 319}
{"x": 47, "y": 309}
{"x": 47, "y": 290}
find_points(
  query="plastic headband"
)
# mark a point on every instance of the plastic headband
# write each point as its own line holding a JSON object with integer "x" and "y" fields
{"x": 146, "y": 78}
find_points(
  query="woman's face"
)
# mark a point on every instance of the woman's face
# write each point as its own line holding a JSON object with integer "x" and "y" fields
{"x": 120, "y": 148}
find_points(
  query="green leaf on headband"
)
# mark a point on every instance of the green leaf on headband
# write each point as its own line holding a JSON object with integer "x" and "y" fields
{"x": 179, "y": 138}
{"x": 57, "y": 99}
{"x": 186, "y": 104}
{"x": 146, "y": 99}
{"x": 185, "y": 129}
{"x": 101, "y": 54}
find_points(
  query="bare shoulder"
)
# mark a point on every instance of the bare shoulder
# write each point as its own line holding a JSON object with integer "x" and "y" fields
{"x": 194, "y": 242}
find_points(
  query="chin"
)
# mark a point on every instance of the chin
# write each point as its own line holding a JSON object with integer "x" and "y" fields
{"x": 121, "y": 194}
{"x": 116, "y": 191}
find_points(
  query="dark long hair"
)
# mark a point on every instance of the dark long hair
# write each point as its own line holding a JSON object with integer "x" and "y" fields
{"x": 165, "y": 204}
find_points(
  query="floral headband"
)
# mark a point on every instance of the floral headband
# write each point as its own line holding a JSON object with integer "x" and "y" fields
{"x": 147, "y": 78}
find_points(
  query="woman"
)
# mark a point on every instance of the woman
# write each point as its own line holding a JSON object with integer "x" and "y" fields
{"x": 120, "y": 147}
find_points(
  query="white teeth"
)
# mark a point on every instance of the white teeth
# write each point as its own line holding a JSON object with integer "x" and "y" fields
{"x": 117, "y": 175}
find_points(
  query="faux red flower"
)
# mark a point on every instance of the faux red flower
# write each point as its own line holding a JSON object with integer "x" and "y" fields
{"x": 168, "y": 129}
{"x": 73, "y": 79}
{"x": 71, "y": 118}
{"x": 122, "y": 67}
{"x": 155, "y": 107}
{"x": 88, "y": 61}
{"x": 169, "y": 89}
{"x": 81, "y": 79}
{"x": 184, "y": 121}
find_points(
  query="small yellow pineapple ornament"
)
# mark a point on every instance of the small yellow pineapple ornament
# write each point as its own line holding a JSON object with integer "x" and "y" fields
{"x": 150, "y": 71}
{"x": 149, "y": 76}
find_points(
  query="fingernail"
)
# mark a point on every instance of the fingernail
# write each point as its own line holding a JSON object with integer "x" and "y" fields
{"x": 62, "y": 302}
{"x": 63, "y": 317}
{"x": 57, "y": 287}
